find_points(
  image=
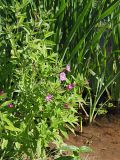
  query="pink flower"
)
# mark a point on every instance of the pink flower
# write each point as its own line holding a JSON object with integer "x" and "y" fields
{"x": 68, "y": 68}
{"x": 48, "y": 97}
{"x": 62, "y": 76}
{"x": 10, "y": 105}
{"x": 66, "y": 106}
{"x": 70, "y": 86}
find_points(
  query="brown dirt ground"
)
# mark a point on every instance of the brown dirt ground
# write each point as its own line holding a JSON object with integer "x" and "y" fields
{"x": 103, "y": 137}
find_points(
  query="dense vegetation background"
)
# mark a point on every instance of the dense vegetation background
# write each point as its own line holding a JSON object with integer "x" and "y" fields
{"x": 59, "y": 64}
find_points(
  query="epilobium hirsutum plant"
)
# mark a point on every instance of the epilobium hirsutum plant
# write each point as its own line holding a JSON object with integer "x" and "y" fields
{"x": 39, "y": 86}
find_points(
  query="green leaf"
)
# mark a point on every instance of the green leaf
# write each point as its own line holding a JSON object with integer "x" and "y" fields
{"x": 48, "y": 34}
{"x": 38, "y": 150}
{"x": 17, "y": 145}
{"x": 69, "y": 148}
{"x": 110, "y": 10}
{"x": 97, "y": 36}
{"x": 76, "y": 26}
{"x": 63, "y": 131}
{"x": 85, "y": 149}
{"x": 92, "y": 72}
{"x": 12, "y": 128}
{"x": 9, "y": 125}
{"x": 4, "y": 143}
{"x": 106, "y": 86}
{"x": 62, "y": 8}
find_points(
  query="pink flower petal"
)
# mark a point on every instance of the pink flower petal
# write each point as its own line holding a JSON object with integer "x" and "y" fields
{"x": 62, "y": 76}
{"x": 10, "y": 105}
{"x": 48, "y": 97}
{"x": 70, "y": 86}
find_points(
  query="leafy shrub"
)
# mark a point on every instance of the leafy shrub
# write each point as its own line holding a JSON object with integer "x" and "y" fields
{"x": 44, "y": 93}
{"x": 44, "y": 102}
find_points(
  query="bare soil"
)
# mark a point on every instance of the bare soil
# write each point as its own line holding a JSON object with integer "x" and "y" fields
{"x": 103, "y": 137}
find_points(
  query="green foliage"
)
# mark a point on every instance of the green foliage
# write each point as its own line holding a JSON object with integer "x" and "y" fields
{"x": 31, "y": 74}
{"x": 100, "y": 89}
{"x": 76, "y": 152}
{"x": 86, "y": 35}
{"x": 84, "y": 31}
